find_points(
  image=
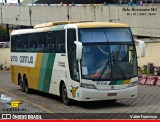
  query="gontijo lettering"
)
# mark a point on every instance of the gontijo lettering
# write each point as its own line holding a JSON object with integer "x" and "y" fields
{"x": 22, "y": 59}
{"x": 26, "y": 59}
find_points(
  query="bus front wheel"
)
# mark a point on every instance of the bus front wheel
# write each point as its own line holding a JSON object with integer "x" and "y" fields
{"x": 64, "y": 95}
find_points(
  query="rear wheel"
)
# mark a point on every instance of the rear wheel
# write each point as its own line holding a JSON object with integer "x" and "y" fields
{"x": 64, "y": 95}
{"x": 22, "y": 85}
{"x": 26, "y": 89}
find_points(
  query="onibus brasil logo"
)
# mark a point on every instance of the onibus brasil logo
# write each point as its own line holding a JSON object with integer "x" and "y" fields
{"x": 15, "y": 107}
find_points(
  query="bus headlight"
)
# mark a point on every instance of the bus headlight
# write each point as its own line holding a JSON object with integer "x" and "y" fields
{"x": 134, "y": 83}
{"x": 88, "y": 86}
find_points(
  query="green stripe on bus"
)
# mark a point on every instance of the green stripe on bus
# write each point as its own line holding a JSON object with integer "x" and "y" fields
{"x": 119, "y": 82}
{"x": 113, "y": 83}
{"x": 46, "y": 72}
{"x": 42, "y": 71}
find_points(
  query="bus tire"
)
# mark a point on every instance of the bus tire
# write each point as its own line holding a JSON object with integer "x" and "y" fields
{"x": 22, "y": 85}
{"x": 26, "y": 89}
{"x": 64, "y": 96}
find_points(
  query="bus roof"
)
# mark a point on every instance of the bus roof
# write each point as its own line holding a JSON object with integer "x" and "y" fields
{"x": 100, "y": 24}
{"x": 54, "y": 24}
{"x": 60, "y": 25}
{"x": 82, "y": 24}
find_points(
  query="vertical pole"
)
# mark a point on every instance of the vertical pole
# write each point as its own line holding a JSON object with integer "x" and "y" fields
{"x": 7, "y": 28}
{"x": 5, "y": 1}
{"x": 32, "y": 2}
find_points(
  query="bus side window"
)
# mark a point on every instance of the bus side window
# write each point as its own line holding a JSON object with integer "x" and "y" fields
{"x": 25, "y": 42}
{"x": 60, "y": 41}
{"x": 50, "y": 45}
{"x": 19, "y": 44}
{"x": 13, "y": 43}
{"x": 41, "y": 42}
{"x": 32, "y": 42}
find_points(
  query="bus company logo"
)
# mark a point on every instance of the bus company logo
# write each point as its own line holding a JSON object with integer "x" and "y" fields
{"x": 62, "y": 64}
{"x": 15, "y": 105}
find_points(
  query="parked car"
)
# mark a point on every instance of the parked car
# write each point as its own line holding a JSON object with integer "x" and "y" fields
{"x": 4, "y": 44}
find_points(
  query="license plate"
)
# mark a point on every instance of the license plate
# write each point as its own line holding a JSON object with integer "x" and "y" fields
{"x": 112, "y": 94}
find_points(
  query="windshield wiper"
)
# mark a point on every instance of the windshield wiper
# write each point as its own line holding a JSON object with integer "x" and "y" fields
{"x": 104, "y": 68}
{"x": 116, "y": 62}
{"x": 122, "y": 70}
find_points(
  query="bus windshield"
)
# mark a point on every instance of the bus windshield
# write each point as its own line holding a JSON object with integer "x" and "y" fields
{"x": 108, "y": 54}
{"x": 105, "y": 35}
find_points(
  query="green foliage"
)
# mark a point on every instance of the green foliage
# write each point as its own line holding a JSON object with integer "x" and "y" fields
{"x": 148, "y": 69}
{"x": 3, "y": 34}
{"x": 145, "y": 72}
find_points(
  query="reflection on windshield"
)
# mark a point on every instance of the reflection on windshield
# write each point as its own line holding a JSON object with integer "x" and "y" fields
{"x": 101, "y": 62}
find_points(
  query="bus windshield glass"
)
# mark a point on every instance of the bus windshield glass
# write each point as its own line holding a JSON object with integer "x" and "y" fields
{"x": 105, "y": 35}
{"x": 108, "y": 55}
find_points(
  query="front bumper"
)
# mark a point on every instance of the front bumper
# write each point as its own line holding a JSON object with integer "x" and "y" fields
{"x": 95, "y": 95}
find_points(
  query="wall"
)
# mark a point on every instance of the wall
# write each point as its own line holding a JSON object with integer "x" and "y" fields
{"x": 152, "y": 54}
{"x": 143, "y": 20}
{"x": 5, "y": 56}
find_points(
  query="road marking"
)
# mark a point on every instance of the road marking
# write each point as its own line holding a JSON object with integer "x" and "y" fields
{"x": 38, "y": 106}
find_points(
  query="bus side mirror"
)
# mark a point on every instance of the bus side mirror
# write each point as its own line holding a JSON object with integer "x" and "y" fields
{"x": 78, "y": 50}
{"x": 141, "y": 45}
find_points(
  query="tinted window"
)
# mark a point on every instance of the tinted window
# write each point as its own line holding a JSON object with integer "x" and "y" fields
{"x": 105, "y": 35}
{"x": 41, "y": 42}
{"x": 32, "y": 43}
{"x": 13, "y": 43}
{"x": 47, "y": 42}
{"x": 50, "y": 43}
{"x": 60, "y": 41}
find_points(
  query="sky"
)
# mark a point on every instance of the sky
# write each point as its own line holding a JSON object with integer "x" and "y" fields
{"x": 10, "y": 1}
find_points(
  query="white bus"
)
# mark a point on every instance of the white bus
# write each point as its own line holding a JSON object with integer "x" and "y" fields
{"x": 87, "y": 61}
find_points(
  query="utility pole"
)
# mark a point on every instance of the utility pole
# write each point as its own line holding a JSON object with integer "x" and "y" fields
{"x": 7, "y": 28}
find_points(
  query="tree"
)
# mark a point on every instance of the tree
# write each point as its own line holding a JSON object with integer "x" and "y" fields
{"x": 3, "y": 34}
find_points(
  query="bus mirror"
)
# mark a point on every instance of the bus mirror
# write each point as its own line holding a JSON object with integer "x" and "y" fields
{"x": 78, "y": 50}
{"x": 141, "y": 45}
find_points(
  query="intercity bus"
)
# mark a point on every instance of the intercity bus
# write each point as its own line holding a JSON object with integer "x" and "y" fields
{"x": 82, "y": 61}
